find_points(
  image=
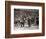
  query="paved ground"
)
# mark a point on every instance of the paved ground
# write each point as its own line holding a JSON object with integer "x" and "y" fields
{"x": 26, "y": 28}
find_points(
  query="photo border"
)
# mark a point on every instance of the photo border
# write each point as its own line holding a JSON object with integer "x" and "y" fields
{"x": 26, "y": 7}
{"x": 8, "y": 18}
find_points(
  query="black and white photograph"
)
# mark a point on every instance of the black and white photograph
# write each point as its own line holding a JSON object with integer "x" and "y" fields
{"x": 26, "y": 19}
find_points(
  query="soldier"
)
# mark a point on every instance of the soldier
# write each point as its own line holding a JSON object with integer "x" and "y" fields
{"x": 29, "y": 22}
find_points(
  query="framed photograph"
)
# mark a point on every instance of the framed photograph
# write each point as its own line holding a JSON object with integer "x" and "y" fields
{"x": 24, "y": 19}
